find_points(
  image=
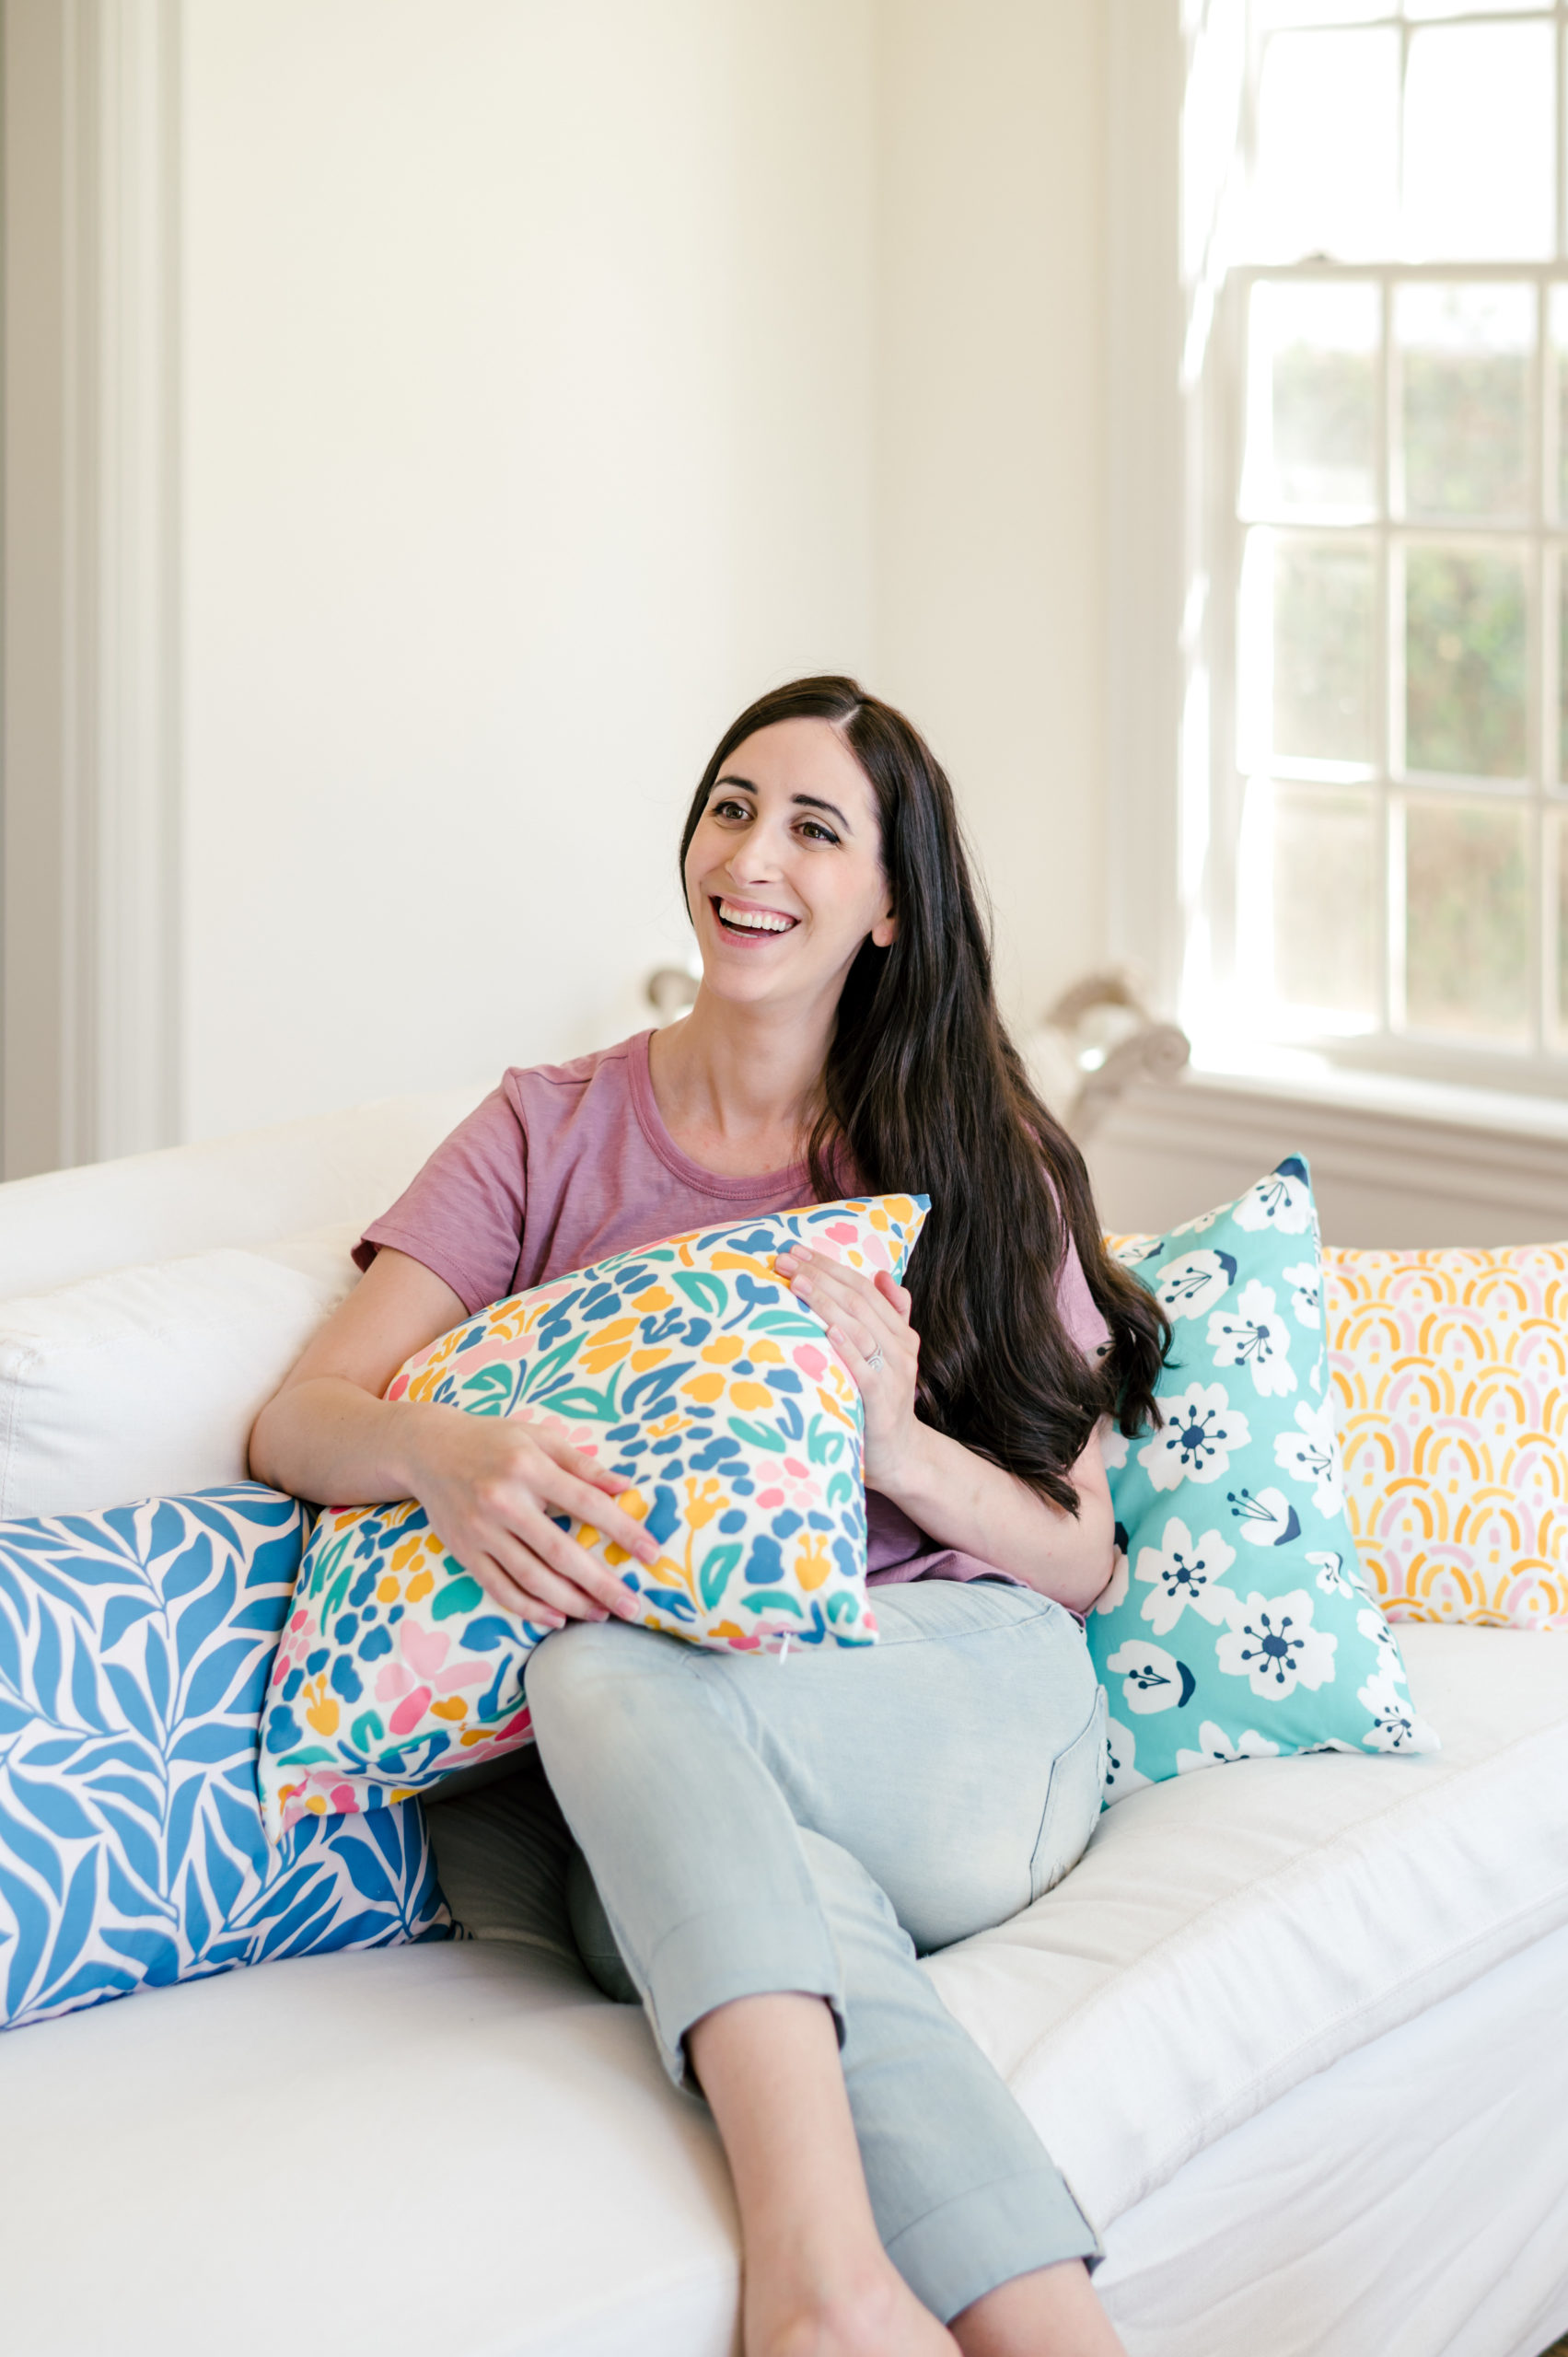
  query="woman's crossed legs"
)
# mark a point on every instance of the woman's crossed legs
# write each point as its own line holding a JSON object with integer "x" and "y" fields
{"x": 772, "y": 1844}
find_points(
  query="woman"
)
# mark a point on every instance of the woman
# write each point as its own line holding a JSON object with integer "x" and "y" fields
{"x": 769, "y": 1846}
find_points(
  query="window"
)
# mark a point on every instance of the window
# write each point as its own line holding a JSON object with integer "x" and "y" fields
{"x": 1376, "y": 766}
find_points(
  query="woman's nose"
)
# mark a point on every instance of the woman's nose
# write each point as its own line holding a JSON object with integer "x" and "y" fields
{"x": 754, "y": 859}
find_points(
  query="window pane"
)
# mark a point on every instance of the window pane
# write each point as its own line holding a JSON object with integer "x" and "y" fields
{"x": 1325, "y": 704}
{"x": 1479, "y": 177}
{"x": 1562, "y": 668}
{"x": 1326, "y": 875}
{"x": 1466, "y": 919}
{"x": 1464, "y": 662}
{"x": 1464, "y": 357}
{"x": 1328, "y": 117}
{"x": 1562, "y": 926}
{"x": 1559, "y": 331}
{"x": 1311, "y": 435}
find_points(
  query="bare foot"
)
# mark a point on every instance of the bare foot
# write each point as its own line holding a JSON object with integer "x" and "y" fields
{"x": 881, "y": 2317}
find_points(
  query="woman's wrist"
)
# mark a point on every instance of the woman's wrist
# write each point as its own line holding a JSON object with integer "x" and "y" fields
{"x": 419, "y": 1436}
{"x": 913, "y": 1477}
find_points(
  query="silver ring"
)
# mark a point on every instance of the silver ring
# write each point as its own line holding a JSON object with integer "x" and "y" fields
{"x": 876, "y": 1363}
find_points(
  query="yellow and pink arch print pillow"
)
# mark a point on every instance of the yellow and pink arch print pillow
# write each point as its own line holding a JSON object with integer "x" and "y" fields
{"x": 690, "y": 1368}
{"x": 1451, "y": 1375}
{"x": 1238, "y": 1624}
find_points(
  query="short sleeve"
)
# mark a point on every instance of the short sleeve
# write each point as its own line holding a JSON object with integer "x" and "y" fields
{"x": 462, "y": 1216}
{"x": 1076, "y": 1307}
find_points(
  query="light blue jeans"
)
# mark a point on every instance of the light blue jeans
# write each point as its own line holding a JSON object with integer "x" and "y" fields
{"x": 816, "y": 1824}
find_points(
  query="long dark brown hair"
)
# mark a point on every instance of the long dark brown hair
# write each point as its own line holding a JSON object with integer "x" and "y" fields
{"x": 924, "y": 1093}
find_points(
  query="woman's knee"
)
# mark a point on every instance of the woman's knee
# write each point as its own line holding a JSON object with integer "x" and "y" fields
{"x": 602, "y": 1678}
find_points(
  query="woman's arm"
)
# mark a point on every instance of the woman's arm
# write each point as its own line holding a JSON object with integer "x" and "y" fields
{"x": 489, "y": 1484}
{"x": 957, "y": 1498}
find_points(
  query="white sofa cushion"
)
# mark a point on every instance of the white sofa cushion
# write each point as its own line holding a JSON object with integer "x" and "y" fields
{"x": 1410, "y": 2201}
{"x": 335, "y": 1168}
{"x": 544, "y": 2113}
{"x": 144, "y": 1383}
{"x": 1228, "y": 1934}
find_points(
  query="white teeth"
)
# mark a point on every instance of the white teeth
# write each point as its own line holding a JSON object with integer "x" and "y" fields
{"x": 754, "y": 920}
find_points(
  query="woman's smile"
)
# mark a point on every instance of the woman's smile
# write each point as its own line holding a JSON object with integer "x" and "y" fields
{"x": 749, "y": 919}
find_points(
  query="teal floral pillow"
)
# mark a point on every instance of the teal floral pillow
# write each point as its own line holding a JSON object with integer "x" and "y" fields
{"x": 1238, "y": 1624}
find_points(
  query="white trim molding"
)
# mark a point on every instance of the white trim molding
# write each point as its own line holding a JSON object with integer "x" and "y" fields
{"x": 90, "y": 789}
{"x": 1394, "y": 1164}
{"x": 1146, "y": 503}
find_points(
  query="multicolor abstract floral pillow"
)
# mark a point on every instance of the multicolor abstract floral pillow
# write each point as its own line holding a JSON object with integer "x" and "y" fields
{"x": 1238, "y": 1624}
{"x": 1451, "y": 1374}
{"x": 134, "y": 1649}
{"x": 690, "y": 1368}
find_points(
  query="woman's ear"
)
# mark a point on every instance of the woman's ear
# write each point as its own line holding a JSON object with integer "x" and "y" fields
{"x": 885, "y": 930}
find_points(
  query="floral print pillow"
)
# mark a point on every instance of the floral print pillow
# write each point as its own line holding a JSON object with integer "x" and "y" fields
{"x": 1238, "y": 1624}
{"x": 689, "y": 1367}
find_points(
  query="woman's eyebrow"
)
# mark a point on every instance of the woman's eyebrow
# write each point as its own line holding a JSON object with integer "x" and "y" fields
{"x": 801, "y": 801}
{"x": 815, "y": 801}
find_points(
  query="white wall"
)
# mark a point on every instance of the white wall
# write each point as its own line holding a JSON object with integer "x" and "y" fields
{"x": 991, "y": 483}
{"x": 554, "y": 378}
{"x": 527, "y": 432}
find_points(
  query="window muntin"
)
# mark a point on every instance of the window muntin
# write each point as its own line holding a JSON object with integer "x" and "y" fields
{"x": 1380, "y": 294}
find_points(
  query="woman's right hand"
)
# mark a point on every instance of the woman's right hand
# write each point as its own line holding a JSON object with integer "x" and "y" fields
{"x": 490, "y": 1487}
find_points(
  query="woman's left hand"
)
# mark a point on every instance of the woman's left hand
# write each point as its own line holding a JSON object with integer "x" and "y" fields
{"x": 868, "y": 1324}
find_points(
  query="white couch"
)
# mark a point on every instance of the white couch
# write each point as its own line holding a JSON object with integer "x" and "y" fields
{"x": 1292, "y": 2028}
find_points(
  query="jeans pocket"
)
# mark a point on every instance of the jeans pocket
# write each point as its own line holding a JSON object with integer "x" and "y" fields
{"x": 1071, "y": 1802}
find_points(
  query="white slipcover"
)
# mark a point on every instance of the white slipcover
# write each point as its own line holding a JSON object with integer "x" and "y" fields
{"x": 1291, "y": 2028}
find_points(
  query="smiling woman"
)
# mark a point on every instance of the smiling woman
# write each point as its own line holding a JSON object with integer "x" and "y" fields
{"x": 759, "y": 1850}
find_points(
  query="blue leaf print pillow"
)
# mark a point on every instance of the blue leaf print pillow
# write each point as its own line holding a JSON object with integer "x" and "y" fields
{"x": 134, "y": 1650}
{"x": 1238, "y": 1624}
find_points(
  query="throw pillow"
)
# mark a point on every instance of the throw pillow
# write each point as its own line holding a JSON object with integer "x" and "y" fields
{"x": 688, "y": 1366}
{"x": 1237, "y": 1624}
{"x": 134, "y": 1649}
{"x": 1451, "y": 1374}
{"x": 148, "y": 1380}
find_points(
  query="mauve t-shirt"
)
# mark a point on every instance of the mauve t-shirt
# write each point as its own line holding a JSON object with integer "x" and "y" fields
{"x": 563, "y": 1164}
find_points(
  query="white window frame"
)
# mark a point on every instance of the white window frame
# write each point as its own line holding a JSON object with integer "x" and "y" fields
{"x": 1175, "y": 361}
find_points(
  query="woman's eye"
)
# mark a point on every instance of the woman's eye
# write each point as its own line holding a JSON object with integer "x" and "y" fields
{"x": 818, "y": 833}
{"x": 727, "y": 809}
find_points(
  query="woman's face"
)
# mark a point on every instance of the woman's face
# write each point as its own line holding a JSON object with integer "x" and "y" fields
{"x": 784, "y": 875}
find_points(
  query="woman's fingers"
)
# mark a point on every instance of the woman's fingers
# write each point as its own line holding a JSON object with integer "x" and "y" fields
{"x": 504, "y": 1590}
{"x": 862, "y": 1341}
{"x": 898, "y": 1297}
{"x": 590, "y": 1506}
{"x": 568, "y": 1557}
{"x": 577, "y": 1460}
{"x": 572, "y": 1488}
{"x": 849, "y": 1305}
{"x": 547, "y": 1590}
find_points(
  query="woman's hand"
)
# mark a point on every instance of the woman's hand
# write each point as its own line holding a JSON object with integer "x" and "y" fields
{"x": 490, "y": 1487}
{"x": 868, "y": 1324}
{"x": 959, "y": 1499}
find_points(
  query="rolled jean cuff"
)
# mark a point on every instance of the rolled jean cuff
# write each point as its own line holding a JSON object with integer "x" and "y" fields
{"x": 964, "y": 2247}
{"x": 742, "y": 1951}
